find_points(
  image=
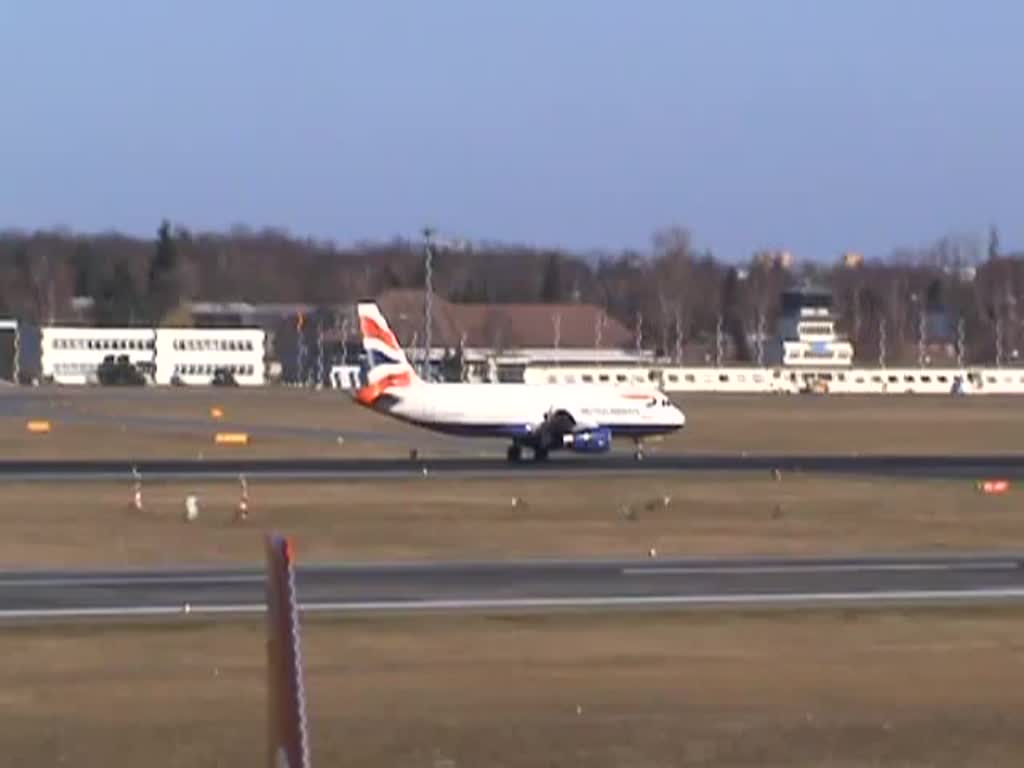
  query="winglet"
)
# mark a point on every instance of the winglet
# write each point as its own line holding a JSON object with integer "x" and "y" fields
{"x": 287, "y": 736}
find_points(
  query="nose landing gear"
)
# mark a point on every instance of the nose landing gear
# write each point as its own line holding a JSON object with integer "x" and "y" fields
{"x": 638, "y": 449}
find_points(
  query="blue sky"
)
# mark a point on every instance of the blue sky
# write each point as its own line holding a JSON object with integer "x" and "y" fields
{"x": 811, "y": 125}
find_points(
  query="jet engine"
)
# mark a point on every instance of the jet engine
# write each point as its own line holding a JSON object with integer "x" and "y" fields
{"x": 589, "y": 440}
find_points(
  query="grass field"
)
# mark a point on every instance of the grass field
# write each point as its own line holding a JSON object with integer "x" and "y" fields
{"x": 839, "y": 689}
{"x": 290, "y": 422}
{"x": 433, "y": 517}
{"x": 825, "y": 688}
{"x": 139, "y": 424}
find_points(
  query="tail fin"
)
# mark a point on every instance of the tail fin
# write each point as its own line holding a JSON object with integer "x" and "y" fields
{"x": 387, "y": 364}
{"x": 287, "y": 739}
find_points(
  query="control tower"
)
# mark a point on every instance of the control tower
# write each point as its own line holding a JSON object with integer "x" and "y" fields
{"x": 807, "y": 332}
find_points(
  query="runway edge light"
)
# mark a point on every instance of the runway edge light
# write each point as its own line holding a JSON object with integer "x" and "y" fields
{"x": 993, "y": 487}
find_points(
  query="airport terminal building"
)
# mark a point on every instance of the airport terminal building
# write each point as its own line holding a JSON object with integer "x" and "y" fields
{"x": 73, "y": 355}
{"x": 251, "y": 345}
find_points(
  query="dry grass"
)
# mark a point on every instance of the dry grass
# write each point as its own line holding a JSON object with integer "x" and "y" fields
{"x": 117, "y": 441}
{"x": 139, "y": 424}
{"x": 433, "y": 517}
{"x": 95, "y": 423}
{"x": 841, "y": 424}
{"x": 827, "y": 688}
{"x": 710, "y": 514}
{"x": 835, "y": 689}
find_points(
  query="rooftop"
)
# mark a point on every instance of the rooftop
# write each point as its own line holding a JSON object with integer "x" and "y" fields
{"x": 503, "y": 326}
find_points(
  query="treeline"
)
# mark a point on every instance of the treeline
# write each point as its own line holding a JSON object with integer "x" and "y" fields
{"x": 683, "y": 301}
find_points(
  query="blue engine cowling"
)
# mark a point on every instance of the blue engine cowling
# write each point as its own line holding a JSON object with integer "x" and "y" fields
{"x": 589, "y": 440}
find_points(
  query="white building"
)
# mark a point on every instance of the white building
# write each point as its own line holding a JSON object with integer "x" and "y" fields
{"x": 9, "y": 351}
{"x": 72, "y": 355}
{"x": 194, "y": 355}
{"x": 825, "y": 381}
{"x": 346, "y": 377}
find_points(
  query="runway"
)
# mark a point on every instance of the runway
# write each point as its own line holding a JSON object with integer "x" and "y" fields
{"x": 517, "y": 586}
{"x": 965, "y": 466}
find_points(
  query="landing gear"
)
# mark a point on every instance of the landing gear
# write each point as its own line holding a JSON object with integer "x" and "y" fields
{"x": 515, "y": 453}
{"x": 638, "y": 450}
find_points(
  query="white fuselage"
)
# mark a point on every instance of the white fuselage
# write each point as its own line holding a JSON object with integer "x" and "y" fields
{"x": 511, "y": 410}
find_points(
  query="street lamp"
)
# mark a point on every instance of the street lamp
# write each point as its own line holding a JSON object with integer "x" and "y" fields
{"x": 430, "y": 242}
{"x": 678, "y": 356}
{"x": 760, "y": 338}
{"x": 960, "y": 338}
{"x": 428, "y": 298}
{"x": 882, "y": 338}
{"x": 638, "y": 331}
{"x": 915, "y": 298}
{"x": 719, "y": 342}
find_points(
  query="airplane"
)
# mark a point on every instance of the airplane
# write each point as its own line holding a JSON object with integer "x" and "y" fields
{"x": 540, "y": 417}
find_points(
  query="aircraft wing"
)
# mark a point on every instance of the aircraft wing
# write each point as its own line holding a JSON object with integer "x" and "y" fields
{"x": 564, "y": 420}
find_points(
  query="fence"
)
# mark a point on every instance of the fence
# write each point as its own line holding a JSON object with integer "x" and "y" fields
{"x": 880, "y": 381}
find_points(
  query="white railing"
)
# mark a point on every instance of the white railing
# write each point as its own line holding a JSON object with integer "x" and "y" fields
{"x": 881, "y": 381}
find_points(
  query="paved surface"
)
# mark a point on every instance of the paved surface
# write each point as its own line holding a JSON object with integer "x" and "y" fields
{"x": 980, "y": 466}
{"x": 73, "y": 412}
{"x": 519, "y": 585}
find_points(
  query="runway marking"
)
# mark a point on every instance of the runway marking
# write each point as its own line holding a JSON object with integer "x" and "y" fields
{"x": 128, "y": 581}
{"x": 719, "y": 570}
{"x": 398, "y": 473}
{"x": 14, "y": 581}
{"x": 809, "y": 598}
